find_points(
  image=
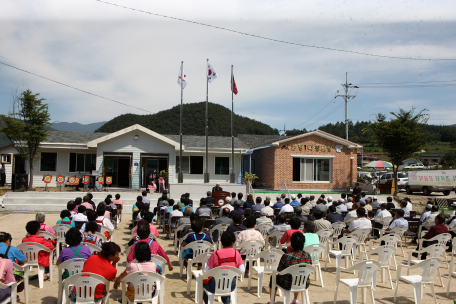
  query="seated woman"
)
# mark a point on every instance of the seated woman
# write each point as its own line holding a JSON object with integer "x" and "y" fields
{"x": 6, "y": 277}
{"x": 40, "y": 217}
{"x": 75, "y": 250}
{"x": 155, "y": 248}
{"x": 90, "y": 237}
{"x": 65, "y": 219}
{"x": 103, "y": 264}
{"x": 71, "y": 205}
{"x": 148, "y": 216}
{"x": 296, "y": 256}
{"x": 227, "y": 256}
{"x": 91, "y": 217}
{"x": 198, "y": 235}
{"x": 142, "y": 255}
{"x": 13, "y": 254}
{"x": 309, "y": 232}
{"x": 118, "y": 201}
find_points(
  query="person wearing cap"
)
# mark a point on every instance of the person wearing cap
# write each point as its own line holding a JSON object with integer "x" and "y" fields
{"x": 426, "y": 213}
{"x": 228, "y": 200}
{"x": 263, "y": 219}
{"x": 258, "y": 205}
{"x": 294, "y": 202}
{"x": 278, "y": 204}
{"x": 298, "y": 214}
{"x": 237, "y": 210}
{"x": 368, "y": 205}
{"x": 375, "y": 203}
{"x": 330, "y": 200}
{"x": 287, "y": 207}
{"x": 268, "y": 209}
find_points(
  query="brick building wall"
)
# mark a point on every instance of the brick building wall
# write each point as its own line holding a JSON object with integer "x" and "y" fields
{"x": 278, "y": 162}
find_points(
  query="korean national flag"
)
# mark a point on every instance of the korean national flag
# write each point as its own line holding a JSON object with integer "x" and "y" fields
{"x": 211, "y": 74}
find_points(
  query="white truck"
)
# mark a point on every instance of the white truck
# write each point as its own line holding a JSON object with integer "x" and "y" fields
{"x": 428, "y": 181}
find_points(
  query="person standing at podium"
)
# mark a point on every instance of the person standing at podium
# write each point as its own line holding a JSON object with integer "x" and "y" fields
{"x": 217, "y": 188}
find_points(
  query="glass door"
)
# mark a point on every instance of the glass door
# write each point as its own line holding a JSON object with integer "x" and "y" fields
{"x": 111, "y": 166}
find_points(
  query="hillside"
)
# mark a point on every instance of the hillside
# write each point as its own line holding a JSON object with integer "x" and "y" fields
{"x": 167, "y": 122}
{"x": 77, "y": 127}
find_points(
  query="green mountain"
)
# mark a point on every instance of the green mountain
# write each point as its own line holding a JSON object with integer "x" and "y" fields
{"x": 167, "y": 122}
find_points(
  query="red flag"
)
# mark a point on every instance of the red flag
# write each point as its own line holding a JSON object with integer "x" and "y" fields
{"x": 233, "y": 85}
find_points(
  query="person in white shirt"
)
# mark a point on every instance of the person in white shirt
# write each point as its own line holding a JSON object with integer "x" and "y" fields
{"x": 404, "y": 207}
{"x": 430, "y": 220}
{"x": 409, "y": 204}
{"x": 349, "y": 204}
{"x": 381, "y": 214}
{"x": 269, "y": 210}
{"x": 361, "y": 223}
{"x": 282, "y": 197}
{"x": 426, "y": 213}
{"x": 287, "y": 207}
{"x": 101, "y": 208}
{"x": 228, "y": 200}
{"x": 312, "y": 201}
{"x": 341, "y": 206}
{"x": 352, "y": 214}
{"x": 453, "y": 214}
{"x": 343, "y": 198}
{"x": 363, "y": 197}
{"x": 80, "y": 217}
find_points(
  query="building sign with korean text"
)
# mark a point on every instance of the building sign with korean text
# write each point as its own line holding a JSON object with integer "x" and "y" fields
{"x": 317, "y": 148}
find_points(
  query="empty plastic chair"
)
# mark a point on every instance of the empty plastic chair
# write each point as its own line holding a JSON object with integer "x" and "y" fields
{"x": 442, "y": 239}
{"x": 73, "y": 266}
{"x": 361, "y": 235}
{"x": 85, "y": 284}
{"x": 315, "y": 252}
{"x": 399, "y": 232}
{"x": 251, "y": 248}
{"x": 433, "y": 252}
{"x": 271, "y": 259}
{"x": 299, "y": 273}
{"x": 143, "y": 283}
{"x": 384, "y": 253}
{"x": 348, "y": 245}
{"x": 198, "y": 247}
{"x": 61, "y": 231}
{"x": 264, "y": 229}
{"x": 428, "y": 269}
{"x": 277, "y": 235}
{"x": 220, "y": 228}
{"x": 388, "y": 240}
{"x": 31, "y": 251}
{"x": 366, "y": 279}
{"x": 337, "y": 229}
{"x": 202, "y": 259}
{"x": 223, "y": 276}
{"x": 450, "y": 275}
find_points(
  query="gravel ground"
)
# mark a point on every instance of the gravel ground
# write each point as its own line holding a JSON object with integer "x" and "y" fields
{"x": 176, "y": 287}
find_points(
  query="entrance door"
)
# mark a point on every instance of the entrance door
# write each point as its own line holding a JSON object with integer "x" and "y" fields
{"x": 119, "y": 169}
{"x": 19, "y": 165}
{"x": 150, "y": 166}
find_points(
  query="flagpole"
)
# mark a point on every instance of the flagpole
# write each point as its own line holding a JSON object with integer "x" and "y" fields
{"x": 232, "y": 177}
{"x": 180, "y": 177}
{"x": 206, "y": 175}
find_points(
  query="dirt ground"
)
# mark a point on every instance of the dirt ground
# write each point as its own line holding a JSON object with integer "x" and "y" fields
{"x": 175, "y": 290}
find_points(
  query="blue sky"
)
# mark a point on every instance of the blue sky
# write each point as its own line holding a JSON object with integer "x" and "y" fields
{"x": 134, "y": 58}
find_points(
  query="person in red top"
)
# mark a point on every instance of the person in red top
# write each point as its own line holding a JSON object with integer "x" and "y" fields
{"x": 295, "y": 224}
{"x": 437, "y": 229}
{"x": 33, "y": 228}
{"x": 227, "y": 256}
{"x": 103, "y": 264}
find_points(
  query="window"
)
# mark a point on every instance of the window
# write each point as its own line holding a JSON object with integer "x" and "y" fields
{"x": 222, "y": 165}
{"x": 82, "y": 162}
{"x": 311, "y": 169}
{"x": 247, "y": 166}
{"x": 434, "y": 160}
{"x": 6, "y": 158}
{"x": 190, "y": 164}
{"x": 48, "y": 161}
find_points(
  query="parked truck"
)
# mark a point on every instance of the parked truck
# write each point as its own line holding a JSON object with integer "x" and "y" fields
{"x": 431, "y": 181}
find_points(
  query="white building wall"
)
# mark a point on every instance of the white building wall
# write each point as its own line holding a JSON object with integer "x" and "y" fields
{"x": 8, "y": 167}
{"x": 127, "y": 143}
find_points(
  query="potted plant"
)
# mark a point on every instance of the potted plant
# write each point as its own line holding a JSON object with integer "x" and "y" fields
{"x": 249, "y": 179}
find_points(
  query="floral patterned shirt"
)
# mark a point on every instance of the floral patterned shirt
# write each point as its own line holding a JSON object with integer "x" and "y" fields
{"x": 248, "y": 235}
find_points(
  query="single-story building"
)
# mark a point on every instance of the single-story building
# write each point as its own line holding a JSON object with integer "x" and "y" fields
{"x": 314, "y": 160}
{"x": 431, "y": 158}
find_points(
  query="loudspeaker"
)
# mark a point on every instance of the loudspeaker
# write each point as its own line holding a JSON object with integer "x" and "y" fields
{"x": 19, "y": 182}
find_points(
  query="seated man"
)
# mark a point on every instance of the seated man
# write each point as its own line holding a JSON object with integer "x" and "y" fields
{"x": 341, "y": 206}
{"x": 399, "y": 221}
{"x": 287, "y": 207}
{"x": 237, "y": 209}
{"x": 430, "y": 220}
{"x": 437, "y": 229}
{"x": 175, "y": 213}
{"x": 351, "y": 214}
{"x": 263, "y": 219}
{"x": 258, "y": 205}
{"x": 381, "y": 213}
{"x": 203, "y": 210}
{"x": 210, "y": 201}
{"x": 279, "y": 227}
{"x": 227, "y": 200}
{"x": 333, "y": 216}
{"x": 294, "y": 202}
{"x": 278, "y": 204}
{"x": 269, "y": 210}
{"x": 349, "y": 203}
{"x": 224, "y": 219}
{"x": 361, "y": 223}
{"x": 404, "y": 207}
{"x": 298, "y": 214}
{"x": 236, "y": 226}
{"x": 320, "y": 222}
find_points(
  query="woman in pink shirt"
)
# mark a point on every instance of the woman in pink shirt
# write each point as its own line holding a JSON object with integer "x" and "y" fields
{"x": 40, "y": 217}
{"x": 142, "y": 255}
{"x": 6, "y": 277}
{"x": 227, "y": 256}
{"x": 118, "y": 201}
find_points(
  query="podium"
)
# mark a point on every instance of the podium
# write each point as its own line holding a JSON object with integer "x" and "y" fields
{"x": 219, "y": 197}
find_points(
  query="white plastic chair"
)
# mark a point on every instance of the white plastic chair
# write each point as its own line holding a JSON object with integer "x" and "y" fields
{"x": 85, "y": 283}
{"x": 252, "y": 248}
{"x": 271, "y": 258}
{"x": 31, "y": 250}
{"x": 442, "y": 239}
{"x": 176, "y": 230}
{"x": 325, "y": 237}
{"x": 94, "y": 249}
{"x": 389, "y": 240}
{"x": 159, "y": 260}
{"x": 73, "y": 266}
{"x": 264, "y": 229}
{"x": 26, "y": 270}
{"x": 277, "y": 235}
{"x": 13, "y": 297}
{"x": 385, "y": 253}
{"x": 337, "y": 229}
{"x": 399, "y": 232}
{"x": 299, "y": 273}
{"x": 61, "y": 231}
{"x": 223, "y": 276}
{"x": 315, "y": 252}
{"x": 385, "y": 222}
{"x": 453, "y": 252}
{"x": 202, "y": 259}
{"x": 47, "y": 235}
{"x": 101, "y": 236}
{"x": 433, "y": 252}
{"x": 450, "y": 275}
{"x": 106, "y": 229}
{"x": 143, "y": 282}
{"x": 179, "y": 243}
{"x": 220, "y": 228}
{"x": 367, "y": 278}
{"x": 428, "y": 269}
{"x": 361, "y": 235}
{"x": 198, "y": 247}
{"x": 348, "y": 246}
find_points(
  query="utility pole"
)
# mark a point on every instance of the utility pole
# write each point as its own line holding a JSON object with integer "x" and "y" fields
{"x": 346, "y": 97}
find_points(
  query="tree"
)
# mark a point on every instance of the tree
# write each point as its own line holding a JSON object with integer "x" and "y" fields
{"x": 449, "y": 159}
{"x": 401, "y": 136}
{"x": 27, "y": 126}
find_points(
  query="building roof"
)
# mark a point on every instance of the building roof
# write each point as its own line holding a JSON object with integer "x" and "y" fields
{"x": 72, "y": 137}
{"x": 254, "y": 141}
{"x": 322, "y": 134}
{"x": 221, "y": 142}
{"x": 431, "y": 155}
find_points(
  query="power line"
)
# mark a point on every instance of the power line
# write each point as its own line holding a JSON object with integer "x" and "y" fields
{"x": 407, "y": 82}
{"x": 66, "y": 85}
{"x": 381, "y": 71}
{"x": 316, "y": 113}
{"x": 276, "y": 40}
{"x": 326, "y": 115}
